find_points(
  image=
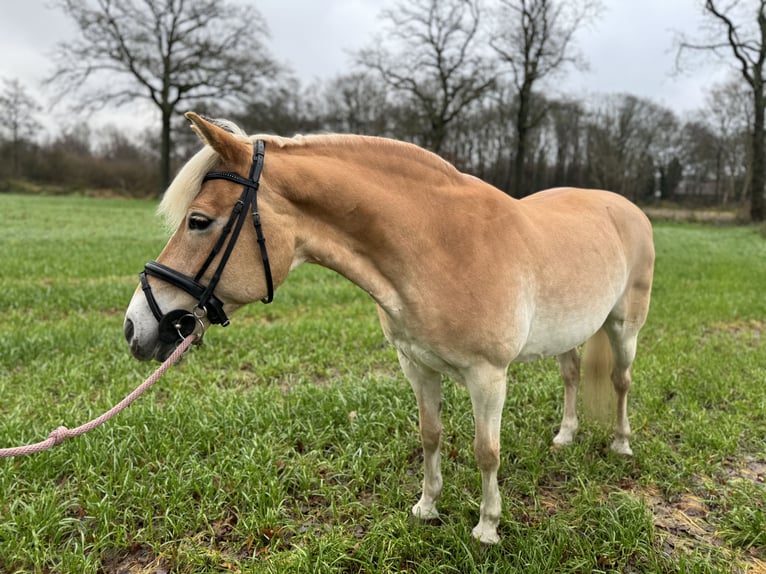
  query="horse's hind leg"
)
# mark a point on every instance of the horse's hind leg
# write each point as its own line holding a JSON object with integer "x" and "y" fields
{"x": 569, "y": 364}
{"x": 623, "y": 338}
{"x": 426, "y": 384}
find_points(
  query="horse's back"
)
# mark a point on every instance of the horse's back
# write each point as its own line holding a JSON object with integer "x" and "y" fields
{"x": 584, "y": 217}
{"x": 627, "y": 223}
{"x": 572, "y": 202}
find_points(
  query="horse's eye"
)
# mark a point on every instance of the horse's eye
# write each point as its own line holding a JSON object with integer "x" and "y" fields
{"x": 199, "y": 222}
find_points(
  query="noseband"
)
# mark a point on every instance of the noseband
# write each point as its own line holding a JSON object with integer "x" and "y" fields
{"x": 180, "y": 323}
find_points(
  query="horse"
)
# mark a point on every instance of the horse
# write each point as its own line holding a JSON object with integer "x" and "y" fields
{"x": 466, "y": 278}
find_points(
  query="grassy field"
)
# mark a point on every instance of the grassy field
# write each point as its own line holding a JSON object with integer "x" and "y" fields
{"x": 289, "y": 443}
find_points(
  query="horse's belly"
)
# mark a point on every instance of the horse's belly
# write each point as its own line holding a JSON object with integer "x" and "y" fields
{"x": 549, "y": 337}
{"x": 547, "y": 348}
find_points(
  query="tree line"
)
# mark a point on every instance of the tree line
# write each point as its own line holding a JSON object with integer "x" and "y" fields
{"x": 464, "y": 78}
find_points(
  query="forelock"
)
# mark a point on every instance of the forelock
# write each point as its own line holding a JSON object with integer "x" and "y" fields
{"x": 186, "y": 185}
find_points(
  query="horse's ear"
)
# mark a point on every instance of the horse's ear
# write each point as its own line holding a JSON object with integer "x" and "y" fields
{"x": 229, "y": 147}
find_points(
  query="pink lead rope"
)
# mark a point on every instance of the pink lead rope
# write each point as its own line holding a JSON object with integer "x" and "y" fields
{"x": 62, "y": 433}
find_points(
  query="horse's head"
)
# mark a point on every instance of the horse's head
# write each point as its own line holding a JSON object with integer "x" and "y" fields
{"x": 217, "y": 259}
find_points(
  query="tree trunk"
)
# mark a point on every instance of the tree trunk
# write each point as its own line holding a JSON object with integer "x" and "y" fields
{"x": 15, "y": 153}
{"x": 522, "y": 133}
{"x": 435, "y": 140}
{"x": 758, "y": 182}
{"x": 165, "y": 149}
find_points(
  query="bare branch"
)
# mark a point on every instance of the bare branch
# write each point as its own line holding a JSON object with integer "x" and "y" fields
{"x": 743, "y": 26}
{"x": 167, "y": 48}
{"x": 170, "y": 52}
{"x": 535, "y": 40}
{"x": 431, "y": 56}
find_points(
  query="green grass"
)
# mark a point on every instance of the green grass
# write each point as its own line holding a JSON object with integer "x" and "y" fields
{"x": 288, "y": 442}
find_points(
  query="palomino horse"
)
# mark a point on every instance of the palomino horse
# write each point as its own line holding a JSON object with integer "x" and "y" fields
{"x": 466, "y": 279}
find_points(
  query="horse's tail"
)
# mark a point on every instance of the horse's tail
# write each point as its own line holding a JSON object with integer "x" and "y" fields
{"x": 598, "y": 396}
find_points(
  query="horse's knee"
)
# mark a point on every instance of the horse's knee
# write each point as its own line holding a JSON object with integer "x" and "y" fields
{"x": 430, "y": 435}
{"x": 487, "y": 453}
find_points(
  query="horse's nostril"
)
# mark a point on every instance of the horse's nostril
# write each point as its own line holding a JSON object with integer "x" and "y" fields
{"x": 129, "y": 330}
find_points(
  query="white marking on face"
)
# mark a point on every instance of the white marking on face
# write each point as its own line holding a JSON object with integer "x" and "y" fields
{"x": 141, "y": 326}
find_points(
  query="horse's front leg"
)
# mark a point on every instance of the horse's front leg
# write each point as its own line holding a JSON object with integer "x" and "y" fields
{"x": 426, "y": 384}
{"x": 487, "y": 392}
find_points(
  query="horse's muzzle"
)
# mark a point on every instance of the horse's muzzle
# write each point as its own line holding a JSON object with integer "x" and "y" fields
{"x": 139, "y": 351}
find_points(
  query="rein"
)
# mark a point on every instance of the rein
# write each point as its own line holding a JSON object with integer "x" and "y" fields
{"x": 62, "y": 433}
{"x": 180, "y": 323}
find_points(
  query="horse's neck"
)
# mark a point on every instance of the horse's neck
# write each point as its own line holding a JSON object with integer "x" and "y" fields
{"x": 349, "y": 215}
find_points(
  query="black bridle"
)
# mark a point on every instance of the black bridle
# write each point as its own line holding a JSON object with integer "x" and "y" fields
{"x": 180, "y": 323}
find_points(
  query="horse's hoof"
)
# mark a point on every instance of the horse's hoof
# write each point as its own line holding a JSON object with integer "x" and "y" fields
{"x": 560, "y": 442}
{"x": 486, "y": 534}
{"x": 564, "y": 437}
{"x": 425, "y": 513}
{"x": 621, "y": 446}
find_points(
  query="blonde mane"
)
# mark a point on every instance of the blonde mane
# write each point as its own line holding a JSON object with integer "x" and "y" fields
{"x": 186, "y": 185}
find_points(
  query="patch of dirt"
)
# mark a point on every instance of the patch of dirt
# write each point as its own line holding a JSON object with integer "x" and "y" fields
{"x": 739, "y": 328}
{"x": 139, "y": 560}
{"x": 686, "y": 524}
{"x": 746, "y": 332}
{"x": 749, "y": 469}
{"x": 682, "y": 523}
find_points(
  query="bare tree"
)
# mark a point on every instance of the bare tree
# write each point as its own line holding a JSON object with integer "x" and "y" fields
{"x": 536, "y": 40}
{"x": 702, "y": 157}
{"x": 284, "y": 109}
{"x": 625, "y": 141}
{"x": 728, "y": 114}
{"x": 568, "y": 118}
{"x": 430, "y": 56}
{"x": 18, "y": 109}
{"x": 480, "y": 140}
{"x": 169, "y": 52}
{"x": 739, "y": 29}
{"x": 357, "y": 103}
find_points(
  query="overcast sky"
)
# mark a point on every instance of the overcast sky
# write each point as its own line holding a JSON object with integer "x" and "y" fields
{"x": 629, "y": 49}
